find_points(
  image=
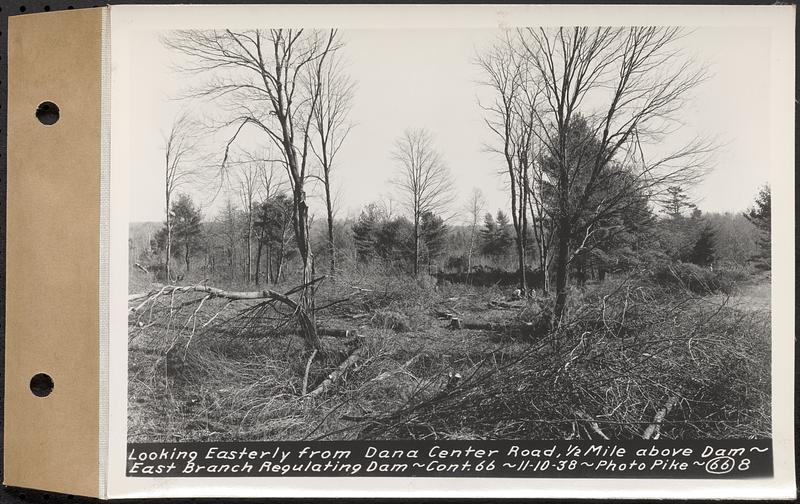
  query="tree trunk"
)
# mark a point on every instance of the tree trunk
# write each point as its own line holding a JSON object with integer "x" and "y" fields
{"x": 562, "y": 269}
{"x": 517, "y": 220}
{"x": 306, "y": 300}
{"x": 523, "y": 283}
{"x": 169, "y": 244}
{"x": 258, "y": 260}
{"x": 279, "y": 266}
{"x": 523, "y": 228}
{"x": 469, "y": 251}
{"x": 543, "y": 255}
{"x": 416, "y": 244}
{"x": 270, "y": 266}
{"x": 186, "y": 258}
{"x": 329, "y": 205}
{"x": 250, "y": 244}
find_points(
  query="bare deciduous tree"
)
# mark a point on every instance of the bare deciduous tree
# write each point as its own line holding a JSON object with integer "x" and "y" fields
{"x": 474, "y": 208}
{"x": 627, "y": 83}
{"x": 181, "y": 167}
{"x": 541, "y": 220}
{"x": 268, "y": 80}
{"x": 335, "y": 90}
{"x": 424, "y": 179}
{"x": 506, "y": 73}
{"x": 248, "y": 181}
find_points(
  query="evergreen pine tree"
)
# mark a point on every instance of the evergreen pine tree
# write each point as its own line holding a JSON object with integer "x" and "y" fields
{"x": 760, "y": 214}
{"x": 703, "y": 252}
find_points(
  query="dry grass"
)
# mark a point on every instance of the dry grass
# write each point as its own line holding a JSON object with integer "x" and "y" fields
{"x": 627, "y": 348}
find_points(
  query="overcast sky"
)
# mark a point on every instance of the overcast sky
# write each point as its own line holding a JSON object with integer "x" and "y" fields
{"x": 426, "y": 79}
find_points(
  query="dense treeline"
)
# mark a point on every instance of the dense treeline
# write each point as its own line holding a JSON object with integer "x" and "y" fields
{"x": 217, "y": 249}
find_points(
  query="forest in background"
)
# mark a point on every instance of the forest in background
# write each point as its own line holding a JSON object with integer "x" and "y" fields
{"x": 256, "y": 247}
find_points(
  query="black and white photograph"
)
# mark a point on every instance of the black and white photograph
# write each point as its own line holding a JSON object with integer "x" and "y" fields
{"x": 433, "y": 234}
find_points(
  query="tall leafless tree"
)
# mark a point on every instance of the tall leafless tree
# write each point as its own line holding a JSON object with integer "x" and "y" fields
{"x": 506, "y": 73}
{"x": 424, "y": 179}
{"x": 268, "y": 80}
{"x": 248, "y": 179}
{"x": 182, "y": 166}
{"x": 628, "y": 84}
{"x": 475, "y": 206}
{"x": 541, "y": 220}
{"x": 335, "y": 90}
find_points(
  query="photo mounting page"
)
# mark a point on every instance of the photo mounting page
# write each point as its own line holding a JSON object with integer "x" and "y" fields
{"x": 451, "y": 251}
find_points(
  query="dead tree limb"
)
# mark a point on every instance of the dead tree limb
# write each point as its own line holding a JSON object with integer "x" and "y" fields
{"x": 337, "y": 373}
{"x": 308, "y": 368}
{"x": 654, "y": 429}
{"x": 307, "y": 325}
{"x": 400, "y": 369}
{"x": 592, "y": 423}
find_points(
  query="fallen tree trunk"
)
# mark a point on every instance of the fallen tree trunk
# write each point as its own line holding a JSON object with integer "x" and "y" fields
{"x": 457, "y": 323}
{"x": 215, "y": 292}
{"x": 337, "y": 373}
{"x": 309, "y": 329}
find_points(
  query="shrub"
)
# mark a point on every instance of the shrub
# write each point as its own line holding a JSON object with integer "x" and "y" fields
{"x": 694, "y": 278}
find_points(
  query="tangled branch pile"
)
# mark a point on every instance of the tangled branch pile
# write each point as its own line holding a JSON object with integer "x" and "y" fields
{"x": 265, "y": 311}
{"x": 635, "y": 362}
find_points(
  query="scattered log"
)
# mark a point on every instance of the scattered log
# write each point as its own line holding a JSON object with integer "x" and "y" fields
{"x": 337, "y": 373}
{"x": 540, "y": 327}
{"x": 336, "y": 333}
{"x": 653, "y": 430}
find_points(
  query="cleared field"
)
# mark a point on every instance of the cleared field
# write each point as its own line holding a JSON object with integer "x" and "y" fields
{"x": 630, "y": 353}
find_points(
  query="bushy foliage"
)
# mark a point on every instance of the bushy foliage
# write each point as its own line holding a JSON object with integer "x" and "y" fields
{"x": 697, "y": 279}
{"x": 379, "y": 237}
{"x": 496, "y": 235}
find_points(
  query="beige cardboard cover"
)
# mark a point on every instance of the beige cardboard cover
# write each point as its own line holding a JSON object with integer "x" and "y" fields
{"x": 52, "y": 318}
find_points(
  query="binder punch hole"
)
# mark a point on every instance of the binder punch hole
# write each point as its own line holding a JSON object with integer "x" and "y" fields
{"x": 47, "y": 113}
{"x": 41, "y": 385}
